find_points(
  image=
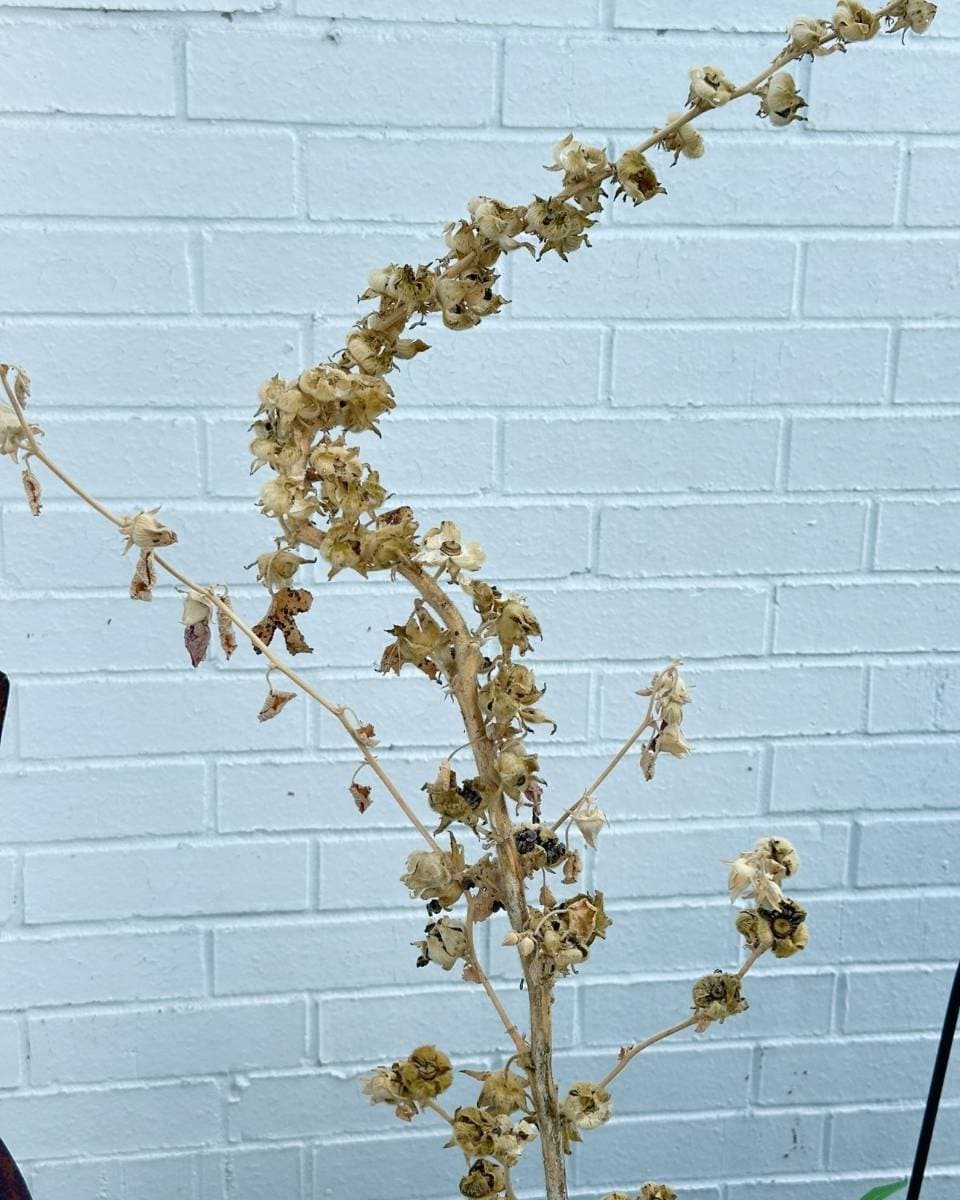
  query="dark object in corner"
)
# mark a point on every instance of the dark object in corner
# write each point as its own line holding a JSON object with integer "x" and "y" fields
{"x": 12, "y": 1186}
{"x": 4, "y": 697}
{"x": 936, "y": 1089}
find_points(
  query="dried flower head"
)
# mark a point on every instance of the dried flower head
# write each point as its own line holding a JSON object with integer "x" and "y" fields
{"x": 587, "y": 1105}
{"x": 558, "y": 225}
{"x": 709, "y": 88}
{"x": 855, "y": 22}
{"x": 757, "y": 874}
{"x": 780, "y": 929}
{"x": 145, "y": 531}
{"x": 917, "y": 15}
{"x": 445, "y": 943}
{"x": 13, "y": 437}
{"x": 384, "y": 1086}
{"x": 435, "y": 875}
{"x": 444, "y": 547}
{"x": 636, "y": 179}
{"x": 425, "y": 1073}
{"x": 716, "y": 997}
{"x": 485, "y": 1180}
{"x": 577, "y": 161}
{"x": 516, "y": 625}
{"x": 686, "y": 140}
{"x": 503, "y": 1092}
{"x": 806, "y": 35}
{"x": 656, "y": 1191}
{"x": 590, "y": 818}
{"x": 668, "y": 695}
{"x": 780, "y": 101}
{"x": 277, "y": 567}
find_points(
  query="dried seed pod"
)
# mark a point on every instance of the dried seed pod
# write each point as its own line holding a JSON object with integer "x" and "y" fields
{"x": 445, "y": 943}
{"x": 426, "y": 1073}
{"x": 590, "y": 819}
{"x": 686, "y": 140}
{"x": 806, "y": 35}
{"x": 636, "y": 178}
{"x": 854, "y": 22}
{"x": 780, "y": 100}
{"x": 782, "y": 929}
{"x": 485, "y": 1180}
{"x": 503, "y": 1093}
{"x": 709, "y": 88}
{"x": 145, "y": 531}
{"x": 587, "y": 1106}
{"x": 917, "y": 15}
{"x": 716, "y": 997}
{"x": 656, "y": 1191}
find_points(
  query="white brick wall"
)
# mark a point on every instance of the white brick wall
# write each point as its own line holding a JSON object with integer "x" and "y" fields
{"x": 729, "y": 430}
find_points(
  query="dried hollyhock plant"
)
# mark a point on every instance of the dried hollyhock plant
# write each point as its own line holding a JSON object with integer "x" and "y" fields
{"x": 468, "y": 637}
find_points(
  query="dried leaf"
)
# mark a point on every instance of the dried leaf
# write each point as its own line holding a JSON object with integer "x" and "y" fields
{"x": 471, "y": 974}
{"x": 361, "y": 796}
{"x": 367, "y": 734}
{"x": 144, "y": 577}
{"x": 31, "y": 485}
{"x": 228, "y": 639}
{"x": 274, "y": 702}
{"x": 285, "y": 606}
{"x": 547, "y": 898}
{"x": 196, "y": 638}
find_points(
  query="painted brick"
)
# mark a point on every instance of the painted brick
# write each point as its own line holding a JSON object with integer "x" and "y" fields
{"x": 874, "y": 1139}
{"x": 896, "y": 999}
{"x": 918, "y": 535}
{"x": 149, "y": 363}
{"x": 685, "y": 936}
{"x": 144, "y": 1043}
{"x": 853, "y": 776}
{"x": 804, "y": 184}
{"x": 346, "y": 176}
{"x": 921, "y": 697}
{"x": 731, "y": 455}
{"x": 928, "y": 364}
{"x": 848, "y": 99}
{"x": 381, "y": 1167}
{"x": 9, "y": 1052}
{"x": 836, "y": 1072}
{"x": 364, "y": 1028}
{"x": 731, "y": 539}
{"x": 127, "y": 71}
{"x": 501, "y": 363}
{"x": 634, "y": 862}
{"x": 123, "y": 882}
{"x": 902, "y": 852}
{"x": 334, "y": 80}
{"x": 80, "y": 171}
{"x": 738, "y": 17}
{"x": 154, "y": 716}
{"x": 114, "y": 967}
{"x": 249, "y": 1172}
{"x": 868, "y": 453}
{"x": 317, "y": 955}
{"x": 940, "y": 1188}
{"x": 562, "y": 13}
{"x": 616, "y": 83}
{"x": 97, "y": 1122}
{"x": 129, "y": 456}
{"x": 94, "y": 271}
{"x": 882, "y": 277}
{"x": 660, "y": 275}
{"x": 705, "y": 366}
{"x": 285, "y": 272}
{"x": 820, "y": 618}
{"x": 699, "y": 1147}
{"x": 930, "y": 168}
{"x": 778, "y": 1001}
{"x": 763, "y": 700}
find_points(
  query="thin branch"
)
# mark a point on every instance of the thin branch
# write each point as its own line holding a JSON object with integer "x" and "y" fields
{"x": 515, "y": 1035}
{"x": 438, "y": 1109}
{"x": 627, "y": 1056}
{"x": 210, "y": 595}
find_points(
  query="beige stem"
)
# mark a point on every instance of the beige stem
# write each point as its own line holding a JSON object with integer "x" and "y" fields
{"x": 627, "y": 1056}
{"x": 211, "y": 596}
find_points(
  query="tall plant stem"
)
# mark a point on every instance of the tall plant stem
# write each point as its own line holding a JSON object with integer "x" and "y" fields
{"x": 339, "y": 711}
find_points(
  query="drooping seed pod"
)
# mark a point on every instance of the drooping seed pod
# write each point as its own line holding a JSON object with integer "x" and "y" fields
{"x": 780, "y": 101}
{"x": 709, "y": 88}
{"x": 686, "y": 140}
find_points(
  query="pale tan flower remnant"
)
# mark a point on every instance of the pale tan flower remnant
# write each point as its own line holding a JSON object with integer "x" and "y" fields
{"x": 590, "y": 819}
{"x": 685, "y": 140}
{"x": 709, "y": 88}
{"x": 636, "y": 179}
{"x": 445, "y": 943}
{"x": 916, "y": 15}
{"x": 444, "y": 547}
{"x": 782, "y": 930}
{"x": 145, "y": 531}
{"x": 668, "y": 696}
{"x": 855, "y": 22}
{"x": 587, "y": 1105}
{"x": 807, "y": 34}
{"x": 757, "y": 874}
{"x": 277, "y": 567}
{"x": 716, "y": 997}
{"x": 780, "y": 101}
{"x": 196, "y": 621}
{"x": 13, "y": 437}
{"x": 435, "y": 875}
